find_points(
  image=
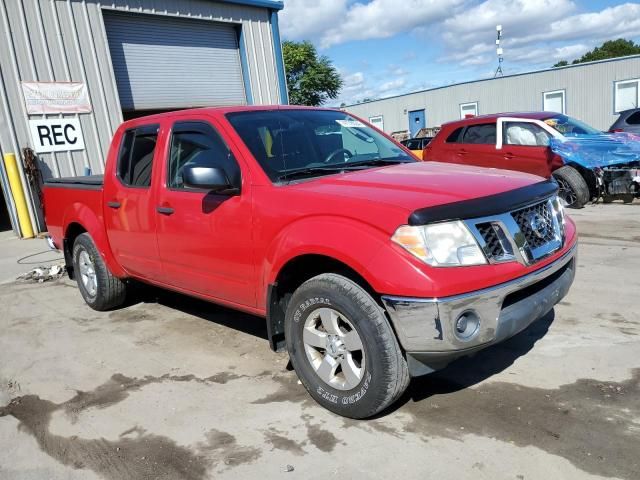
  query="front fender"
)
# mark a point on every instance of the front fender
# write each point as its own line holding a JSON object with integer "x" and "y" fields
{"x": 84, "y": 216}
{"x": 362, "y": 247}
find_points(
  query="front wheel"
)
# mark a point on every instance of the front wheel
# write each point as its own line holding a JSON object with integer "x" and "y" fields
{"x": 343, "y": 348}
{"x": 99, "y": 288}
{"x": 573, "y": 189}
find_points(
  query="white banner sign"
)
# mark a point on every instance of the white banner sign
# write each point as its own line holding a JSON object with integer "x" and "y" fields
{"x": 56, "y": 135}
{"x": 56, "y": 97}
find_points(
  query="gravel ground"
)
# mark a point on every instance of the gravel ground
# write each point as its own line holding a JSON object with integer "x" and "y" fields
{"x": 171, "y": 387}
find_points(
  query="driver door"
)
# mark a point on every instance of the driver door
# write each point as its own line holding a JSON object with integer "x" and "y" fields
{"x": 205, "y": 239}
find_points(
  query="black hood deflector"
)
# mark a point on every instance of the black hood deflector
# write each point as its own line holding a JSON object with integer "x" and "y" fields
{"x": 485, "y": 206}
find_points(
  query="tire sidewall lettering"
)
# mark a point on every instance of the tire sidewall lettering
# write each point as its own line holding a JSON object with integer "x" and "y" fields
{"x": 307, "y": 304}
{"x": 356, "y": 397}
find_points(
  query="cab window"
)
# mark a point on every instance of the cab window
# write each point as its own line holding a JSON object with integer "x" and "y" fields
{"x": 135, "y": 160}
{"x": 198, "y": 144}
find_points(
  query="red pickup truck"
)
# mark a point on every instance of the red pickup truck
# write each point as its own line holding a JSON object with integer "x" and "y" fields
{"x": 369, "y": 266}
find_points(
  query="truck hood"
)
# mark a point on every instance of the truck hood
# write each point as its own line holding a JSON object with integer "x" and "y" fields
{"x": 417, "y": 185}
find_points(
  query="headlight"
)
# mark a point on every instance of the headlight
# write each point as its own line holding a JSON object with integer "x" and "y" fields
{"x": 448, "y": 244}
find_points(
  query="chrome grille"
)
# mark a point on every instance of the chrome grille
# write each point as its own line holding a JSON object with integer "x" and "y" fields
{"x": 526, "y": 219}
{"x": 492, "y": 247}
{"x": 526, "y": 235}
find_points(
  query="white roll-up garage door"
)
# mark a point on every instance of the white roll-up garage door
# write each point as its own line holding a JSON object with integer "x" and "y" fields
{"x": 165, "y": 63}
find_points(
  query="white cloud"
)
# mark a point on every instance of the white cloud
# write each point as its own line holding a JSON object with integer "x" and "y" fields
{"x": 307, "y": 19}
{"x": 332, "y": 22}
{"x": 612, "y": 22}
{"x": 392, "y": 85}
{"x": 535, "y": 32}
{"x": 353, "y": 81}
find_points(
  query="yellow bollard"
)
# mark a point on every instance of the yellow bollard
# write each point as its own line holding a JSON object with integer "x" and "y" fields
{"x": 11, "y": 165}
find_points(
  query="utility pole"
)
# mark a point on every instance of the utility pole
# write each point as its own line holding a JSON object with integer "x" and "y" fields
{"x": 499, "y": 51}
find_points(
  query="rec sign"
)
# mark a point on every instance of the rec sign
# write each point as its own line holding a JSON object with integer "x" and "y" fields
{"x": 57, "y": 135}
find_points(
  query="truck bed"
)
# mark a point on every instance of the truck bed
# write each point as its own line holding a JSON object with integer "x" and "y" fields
{"x": 64, "y": 197}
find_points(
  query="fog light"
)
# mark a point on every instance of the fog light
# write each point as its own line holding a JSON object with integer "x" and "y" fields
{"x": 461, "y": 324}
{"x": 467, "y": 325}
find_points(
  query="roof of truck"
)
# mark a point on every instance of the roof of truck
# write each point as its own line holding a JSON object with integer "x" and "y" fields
{"x": 220, "y": 111}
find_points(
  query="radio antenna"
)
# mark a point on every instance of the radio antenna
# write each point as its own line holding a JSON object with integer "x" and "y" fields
{"x": 499, "y": 52}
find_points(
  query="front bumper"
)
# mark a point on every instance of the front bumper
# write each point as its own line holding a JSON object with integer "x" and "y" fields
{"x": 426, "y": 327}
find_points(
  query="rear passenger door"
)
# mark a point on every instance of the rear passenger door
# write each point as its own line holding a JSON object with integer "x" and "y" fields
{"x": 129, "y": 214}
{"x": 476, "y": 145}
{"x": 205, "y": 239}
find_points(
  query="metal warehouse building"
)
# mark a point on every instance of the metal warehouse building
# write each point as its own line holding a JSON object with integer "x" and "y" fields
{"x": 72, "y": 70}
{"x": 592, "y": 92}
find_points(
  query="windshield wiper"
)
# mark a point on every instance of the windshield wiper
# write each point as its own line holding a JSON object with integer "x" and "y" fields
{"x": 309, "y": 171}
{"x": 336, "y": 168}
{"x": 378, "y": 161}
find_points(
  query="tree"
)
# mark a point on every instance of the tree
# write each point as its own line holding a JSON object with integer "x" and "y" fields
{"x": 609, "y": 49}
{"x": 311, "y": 79}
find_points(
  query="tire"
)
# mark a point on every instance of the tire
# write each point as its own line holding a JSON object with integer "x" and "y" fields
{"x": 573, "y": 187}
{"x": 100, "y": 290}
{"x": 382, "y": 372}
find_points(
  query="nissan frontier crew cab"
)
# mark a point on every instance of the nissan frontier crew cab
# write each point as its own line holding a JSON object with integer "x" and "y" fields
{"x": 369, "y": 266}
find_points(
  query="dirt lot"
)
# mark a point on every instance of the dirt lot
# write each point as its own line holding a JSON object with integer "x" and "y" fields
{"x": 171, "y": 387}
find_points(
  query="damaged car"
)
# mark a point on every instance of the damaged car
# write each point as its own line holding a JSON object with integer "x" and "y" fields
{"x": 585, "y": 162}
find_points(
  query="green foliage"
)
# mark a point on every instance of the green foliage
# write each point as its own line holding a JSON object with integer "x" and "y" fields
{"x": 311, "y": 79}
{"x": 609, "y": 49}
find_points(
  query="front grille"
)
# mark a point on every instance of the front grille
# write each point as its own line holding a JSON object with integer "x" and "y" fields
{"x": 493, "y": 247}
{"x": 536, "y": 223}
{"x": 526, "y": 235}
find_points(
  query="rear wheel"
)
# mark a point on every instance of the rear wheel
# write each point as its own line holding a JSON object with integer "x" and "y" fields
{"x": 343, "y": 348}
{"x": 573, "y": 189}
{"x": 99, "y": 288}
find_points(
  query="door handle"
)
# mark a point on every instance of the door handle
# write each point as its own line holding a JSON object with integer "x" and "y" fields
{"x": 509, "y": 156}
{"x": 115, "y": 205}
{"x": 462, "y": 152}
{"x": 164, "y": 210}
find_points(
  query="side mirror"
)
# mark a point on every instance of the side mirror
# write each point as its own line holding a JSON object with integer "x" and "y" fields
{"x": 207, "y": 178}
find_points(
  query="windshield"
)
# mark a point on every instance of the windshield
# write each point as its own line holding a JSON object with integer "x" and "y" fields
{"x": 312, "y": 142}
{"x": 570, "y": 127}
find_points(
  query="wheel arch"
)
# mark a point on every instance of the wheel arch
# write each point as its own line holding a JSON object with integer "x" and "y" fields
{"x": 81, "y": 219}
{"x": 294, "y": 273}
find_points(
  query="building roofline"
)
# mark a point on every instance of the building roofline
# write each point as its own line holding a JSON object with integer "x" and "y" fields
{"x": 552, "y": 69}
{"x": 271, "y": 4}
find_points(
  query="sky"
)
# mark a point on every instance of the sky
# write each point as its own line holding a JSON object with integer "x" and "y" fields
{"x": 389, "y": 47}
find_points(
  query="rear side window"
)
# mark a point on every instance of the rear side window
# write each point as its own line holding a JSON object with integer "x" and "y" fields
{"x": 456, "y": 136}
{"x": 634, "y": 118}
{"x": 198, "y": 144}
{"x": 135, "y": 161}
{"x": 484, "y": 134}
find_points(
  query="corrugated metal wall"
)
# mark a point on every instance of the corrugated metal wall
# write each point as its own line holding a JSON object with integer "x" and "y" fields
{"x": 588, "y": 94}
{"x": 65, "y": 40}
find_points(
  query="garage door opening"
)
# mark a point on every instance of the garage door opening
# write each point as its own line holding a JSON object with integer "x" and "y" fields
{"x": 163, "y": 64}
{"x": 5, "y": 220}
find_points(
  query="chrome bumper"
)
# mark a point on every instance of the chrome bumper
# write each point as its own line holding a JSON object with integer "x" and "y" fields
{"x": 426, "y": 327}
